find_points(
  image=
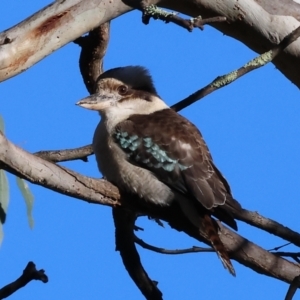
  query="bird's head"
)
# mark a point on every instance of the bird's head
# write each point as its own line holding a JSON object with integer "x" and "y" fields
{"x": 122, "y": 92}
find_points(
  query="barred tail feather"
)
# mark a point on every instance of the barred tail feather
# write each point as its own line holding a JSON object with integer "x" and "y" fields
{"x": 217, "y": 244}
{"x": 211, "y": 228}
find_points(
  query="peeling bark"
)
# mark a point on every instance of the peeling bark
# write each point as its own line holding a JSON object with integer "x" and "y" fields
{"x": 257, "y": 24}
{"x": 51, "y": 28}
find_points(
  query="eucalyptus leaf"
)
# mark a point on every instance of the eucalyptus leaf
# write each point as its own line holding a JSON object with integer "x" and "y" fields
{"x": 28, "y": 197}
{"x": 1, "y": 233}
{"x": 2, "y": 124}
{"x": 4, "y": 196}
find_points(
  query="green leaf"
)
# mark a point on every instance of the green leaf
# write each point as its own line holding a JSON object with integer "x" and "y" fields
{"x": 2, "y": 124}
{"x": 4, "y": 196}
{"x": 1, "y": 233}
{"x": 28, "y": 197}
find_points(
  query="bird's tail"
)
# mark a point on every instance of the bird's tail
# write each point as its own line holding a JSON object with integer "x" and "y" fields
{"x": 213, "y": 236}
{"x": 209, "y": 226}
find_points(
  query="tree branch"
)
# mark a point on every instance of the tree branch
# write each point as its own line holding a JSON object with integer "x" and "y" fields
{"x": 124, "y": 224}
{"x": 66, "y": 155}
{"x": 224, "y": 80}
{"x": 63, "y": 21}
{"x": 194, "y": 249}
{"x": 239, "y": 248}
{"x": 30, "y": 273}
{"x": 153, "y": 11}
{"x": 268, "y": 225}
{"x": 51, "y": 28}
{"x": 62, "y": 180}
{"x": 279, "y": 247}
{"x": 93, "y": 48}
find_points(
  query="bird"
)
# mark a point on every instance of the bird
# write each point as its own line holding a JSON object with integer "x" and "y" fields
{"x": 147, "y": 149}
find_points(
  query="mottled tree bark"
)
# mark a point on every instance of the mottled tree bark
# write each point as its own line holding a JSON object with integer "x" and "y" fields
{"x": 258, "y": 24}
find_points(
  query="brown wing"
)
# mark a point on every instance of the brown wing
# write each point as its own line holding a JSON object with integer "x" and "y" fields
{"x": 174, "y": 150}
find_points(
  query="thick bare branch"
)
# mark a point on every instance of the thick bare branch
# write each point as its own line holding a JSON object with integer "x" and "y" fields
{"x": 64, "y": 21}
{"x": 124, "y": 224}
{"x": 54, "y": 177}
{"x": 94, "y": 47}
{"x": 281, "y": 7}
{"x": 257, "y": 258}
{"x": 51, "y": 28}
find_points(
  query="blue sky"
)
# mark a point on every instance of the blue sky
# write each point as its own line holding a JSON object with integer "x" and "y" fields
{"x": 251, "y": 127}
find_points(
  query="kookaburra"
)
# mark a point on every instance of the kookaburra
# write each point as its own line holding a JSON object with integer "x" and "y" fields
{"x": 146, "y": 148}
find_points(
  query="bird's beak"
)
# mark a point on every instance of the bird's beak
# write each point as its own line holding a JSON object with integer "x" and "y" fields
{"x": 96, "y": 102}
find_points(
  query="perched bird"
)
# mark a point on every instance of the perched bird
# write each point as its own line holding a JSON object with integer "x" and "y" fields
{"x": 146, "y": 148}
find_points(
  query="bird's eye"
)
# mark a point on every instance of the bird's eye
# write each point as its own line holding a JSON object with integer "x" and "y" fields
{"x": 122, "y": 89}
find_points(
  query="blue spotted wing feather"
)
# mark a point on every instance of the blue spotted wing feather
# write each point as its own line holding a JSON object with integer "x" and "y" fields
{"x": 173, "y": 149}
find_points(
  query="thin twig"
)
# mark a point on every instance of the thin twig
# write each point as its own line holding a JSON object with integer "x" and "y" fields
{"x": 153, "y": 11}
{"x": 224, "y": 80}
{"x": 279, "y": 247}
{"x": 80, "y": 153}
{"x": 29, "y": 273}
{"x": 194, "y": 249}
{"x": 157, "y": 221}
{"x": 268, "y": 225}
